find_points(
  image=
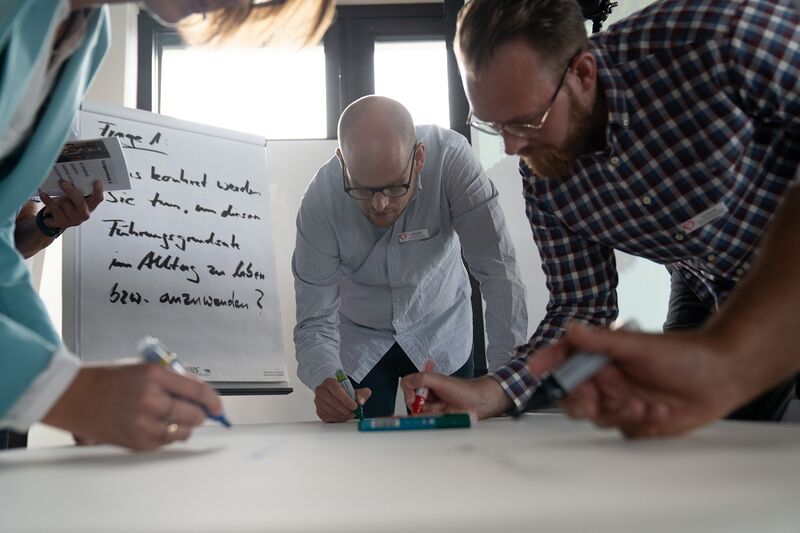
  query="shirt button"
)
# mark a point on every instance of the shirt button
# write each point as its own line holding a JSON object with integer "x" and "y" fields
{"x": 711, "y": 258}
{"x": 740, "y": 272}
{"x": 625, "y": 122}
{"x": 679, "y": 236}
{"x": 647, "y": 200}
{"x": 615, "y": 160}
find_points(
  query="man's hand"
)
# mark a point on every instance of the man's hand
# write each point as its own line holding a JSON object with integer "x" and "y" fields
{"x": 72, "y": 209}
{"x": 139, "y": 406}
{"x": 333, "y": 403}
{"x": 483, "y": 396}
{"x": 658, "y": 385}
{"x": 61, "y": 213}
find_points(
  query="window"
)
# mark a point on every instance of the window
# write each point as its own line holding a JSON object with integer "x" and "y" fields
{"x": 415, "y": 73}
{"x": 398, "y": 50}
{"x": 273, "y": 93}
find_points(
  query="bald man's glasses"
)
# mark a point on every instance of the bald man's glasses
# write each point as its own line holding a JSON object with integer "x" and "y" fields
{"x": 392, "y": 191}
{"x": 522, "y": 129}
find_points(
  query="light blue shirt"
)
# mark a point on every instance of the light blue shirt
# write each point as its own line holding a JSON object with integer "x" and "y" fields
{"x": 28, "y": 340}
{"x": 360, "y": 289}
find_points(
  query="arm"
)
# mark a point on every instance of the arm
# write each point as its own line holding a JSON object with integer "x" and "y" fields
{"x": 487, "y": 246}
{"x": 581, "y": 277}
{"x": 762, "y": 65}
{"x": 317, "y": 270}
{"x": 42, "y": 381}
{"x": 669, "y": 384}
{"x": 61, "y": 213}
{"x": 582, "y": 280}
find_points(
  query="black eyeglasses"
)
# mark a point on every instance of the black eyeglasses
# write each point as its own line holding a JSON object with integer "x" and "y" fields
{"x": 522, "y": 129}
{"x": 392, "y": 191}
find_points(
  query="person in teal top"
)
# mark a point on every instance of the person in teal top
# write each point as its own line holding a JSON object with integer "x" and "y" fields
{"x": 49, "y": 52}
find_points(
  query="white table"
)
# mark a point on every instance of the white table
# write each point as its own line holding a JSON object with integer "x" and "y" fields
{"x": 542, "y": 474}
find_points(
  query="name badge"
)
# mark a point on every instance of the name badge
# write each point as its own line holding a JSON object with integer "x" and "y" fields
{"x": 408, "y": 236}
{"x": 701, "y": 219}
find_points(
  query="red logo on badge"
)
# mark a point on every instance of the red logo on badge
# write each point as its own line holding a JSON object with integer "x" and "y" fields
{"x": 403, "y": 236}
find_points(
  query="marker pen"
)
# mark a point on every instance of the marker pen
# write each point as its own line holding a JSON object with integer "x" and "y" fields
{"x": 421, "y": 394}
{"x": 561, "y": 381}
{"x": 344, "y": 381}
{"x": 558, "y": 383}
{"x": 154, "y": 352}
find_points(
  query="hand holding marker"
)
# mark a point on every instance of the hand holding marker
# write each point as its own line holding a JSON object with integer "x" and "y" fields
{"x": 558, "y": 383}
{"x": 154, "y": 352}
{"x": 421, "y": 394}
{"x": 344, "y": 381}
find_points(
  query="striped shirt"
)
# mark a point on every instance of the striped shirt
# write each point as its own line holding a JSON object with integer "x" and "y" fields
{"x": 702, "y": 142}
{"x": 359, "y": 289}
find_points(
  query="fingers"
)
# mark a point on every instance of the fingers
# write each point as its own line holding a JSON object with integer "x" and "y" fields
{"x": 620, "y": 345}
{"x": 582, "y": 402}
{"x": 333, "y": 403}
{"x": 362, "y": 395}
{"x": 546, "y": 359}
{"x": 407, "y": 386}
{"x": 94, "y": 199}
{"x": 190, "y": 389}
{"x": 74, "y": 205}
{"x": 184, "y": 413}
{"x": 73, "y": 209}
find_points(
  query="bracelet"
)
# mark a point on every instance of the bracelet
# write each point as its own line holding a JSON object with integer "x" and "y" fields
{"x": 47, "y": 232}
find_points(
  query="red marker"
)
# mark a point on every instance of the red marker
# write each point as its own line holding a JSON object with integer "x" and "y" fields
{"x": 421, "y": 394}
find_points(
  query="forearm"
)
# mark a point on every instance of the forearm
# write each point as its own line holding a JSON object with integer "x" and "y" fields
{"x": 28, "y": 239}
{"x": 758, "y": 325}
{"x": 317, "y": 354}
{"x": 505, "y": 315}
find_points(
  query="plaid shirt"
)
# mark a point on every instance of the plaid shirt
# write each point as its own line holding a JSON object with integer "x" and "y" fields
{"x": 702, "y": 142}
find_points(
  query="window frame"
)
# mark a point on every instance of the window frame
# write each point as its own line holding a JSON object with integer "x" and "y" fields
{"x": 349, "y": 74}
{"x": 349, "y": 53}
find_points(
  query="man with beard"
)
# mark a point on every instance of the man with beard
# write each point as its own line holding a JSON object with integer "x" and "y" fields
{"x": 379, "y": 281}
{"x": 671, "y": 136}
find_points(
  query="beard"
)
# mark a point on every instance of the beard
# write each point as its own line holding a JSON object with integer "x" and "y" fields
{"x": 556, "y": 162}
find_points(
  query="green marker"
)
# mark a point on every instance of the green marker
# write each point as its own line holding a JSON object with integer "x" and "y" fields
{"x": 341, "y": 377}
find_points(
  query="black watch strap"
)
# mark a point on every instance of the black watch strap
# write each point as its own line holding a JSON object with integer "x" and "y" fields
{"x": 47, "y": 232}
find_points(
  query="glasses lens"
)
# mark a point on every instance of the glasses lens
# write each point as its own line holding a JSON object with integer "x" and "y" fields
{"x": 485, "y": 127}
{"x": 394, "y": 192}
{"x": 360, "y": 194}
{"x": 523, "y": 130}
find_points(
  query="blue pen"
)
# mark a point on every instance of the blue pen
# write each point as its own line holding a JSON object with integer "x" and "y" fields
{"x": 154, "y": 352}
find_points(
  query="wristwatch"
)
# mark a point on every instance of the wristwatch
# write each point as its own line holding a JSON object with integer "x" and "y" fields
{"x": 47, "y": 232}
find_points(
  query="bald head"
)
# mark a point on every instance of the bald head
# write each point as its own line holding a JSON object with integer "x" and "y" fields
{"x": 376, "y": 135}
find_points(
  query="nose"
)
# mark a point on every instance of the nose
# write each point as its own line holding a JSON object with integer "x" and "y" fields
{"x": 379, "y": 201}
{"x": 513, "y": 144}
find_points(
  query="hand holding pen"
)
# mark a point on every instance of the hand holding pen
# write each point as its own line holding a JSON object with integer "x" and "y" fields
{"x": 139, "y": 406}
{"x": 337, "y": 401}
{"x": 421, "y": 393}
{"x": 562, "y": 380}
{"x": 154, "y": 352}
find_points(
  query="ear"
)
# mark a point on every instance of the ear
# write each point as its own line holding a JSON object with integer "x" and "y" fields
{"x": 585, "y": 68}
{"x": 420, "y": 157}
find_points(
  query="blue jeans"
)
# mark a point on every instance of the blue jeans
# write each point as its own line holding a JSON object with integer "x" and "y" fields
{"x": 384, "y": 377}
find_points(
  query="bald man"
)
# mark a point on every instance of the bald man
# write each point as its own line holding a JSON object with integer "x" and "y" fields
{"x": 379, "y": 282}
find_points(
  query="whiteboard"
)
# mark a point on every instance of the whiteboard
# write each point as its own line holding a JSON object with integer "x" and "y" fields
{"x": 186, "y": 255}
